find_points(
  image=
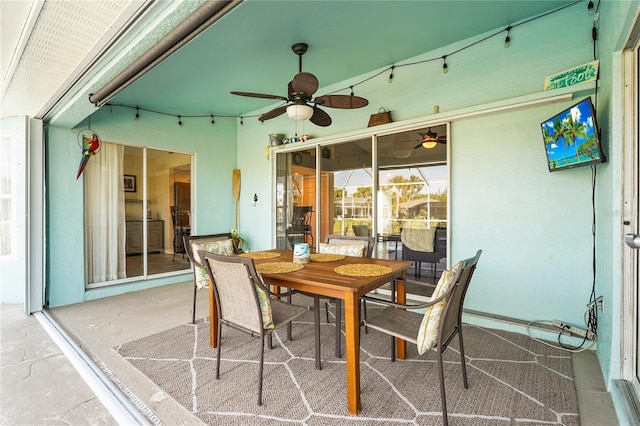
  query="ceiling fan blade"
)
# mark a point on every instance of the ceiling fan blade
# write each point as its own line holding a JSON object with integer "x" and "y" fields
{"x": 418, "y": 146}
{"x": 273, "y": 113}
{"x": 320, "y": 118}
{"x": 305, "y": 82}
{"x": 259, "y": 95}
{"x": 342, "y": 101}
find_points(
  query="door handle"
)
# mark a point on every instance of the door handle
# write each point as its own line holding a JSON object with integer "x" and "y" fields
{"x": 632, "y": 240}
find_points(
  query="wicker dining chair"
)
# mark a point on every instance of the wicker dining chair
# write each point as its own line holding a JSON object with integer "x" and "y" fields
{"x": 244, "y": 303}
{"x": 437, "y": 327}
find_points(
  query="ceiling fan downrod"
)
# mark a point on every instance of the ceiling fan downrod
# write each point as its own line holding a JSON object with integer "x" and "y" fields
{"x": 300, "y": 49}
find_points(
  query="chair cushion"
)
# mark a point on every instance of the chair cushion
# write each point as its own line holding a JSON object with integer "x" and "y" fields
{"x": 346, "y": 249}
{"x": 221, "y": 247}
{"x": 428, "y": 331}
{"x": 265, "y": 305}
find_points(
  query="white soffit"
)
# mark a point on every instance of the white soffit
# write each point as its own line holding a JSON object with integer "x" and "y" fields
{"x": 62, "y": 35}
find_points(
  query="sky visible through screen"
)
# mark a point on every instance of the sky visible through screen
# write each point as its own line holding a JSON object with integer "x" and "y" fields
{"x": 436, "y": 175}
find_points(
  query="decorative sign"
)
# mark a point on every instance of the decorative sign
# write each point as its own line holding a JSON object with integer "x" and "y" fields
{"x": 572, "y": 76}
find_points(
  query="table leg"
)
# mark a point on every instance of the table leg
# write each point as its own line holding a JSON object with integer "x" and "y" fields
{"x": 352, "y": 349}
{"x": 316, "y": 325}
{"x": 401, "y": 297}
{"x": 213, "y": 319}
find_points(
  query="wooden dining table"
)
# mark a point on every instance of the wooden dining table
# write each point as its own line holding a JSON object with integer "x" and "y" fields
{"x": 321, "y": 278}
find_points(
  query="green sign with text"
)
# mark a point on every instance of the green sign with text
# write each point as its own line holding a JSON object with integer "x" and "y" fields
{"x": 570, "y": 77}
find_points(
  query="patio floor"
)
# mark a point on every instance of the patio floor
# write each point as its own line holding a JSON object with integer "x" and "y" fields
{"x": 36, "y": 373}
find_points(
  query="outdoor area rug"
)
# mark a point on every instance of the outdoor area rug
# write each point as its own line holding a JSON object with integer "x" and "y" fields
{"x": 512, "y": 379}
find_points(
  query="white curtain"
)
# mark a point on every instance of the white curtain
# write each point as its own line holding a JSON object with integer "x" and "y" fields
{"x": 105, "y": 215}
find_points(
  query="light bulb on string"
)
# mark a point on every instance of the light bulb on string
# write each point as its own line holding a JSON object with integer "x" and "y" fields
{"x": 212, "y": 120}
{"x": 507, "y": 39}
{"x": 179, "y": 120}
{"x": 445, "y": 68}
{"x": 137, "y": 113}
{"x": 391, "y": 75}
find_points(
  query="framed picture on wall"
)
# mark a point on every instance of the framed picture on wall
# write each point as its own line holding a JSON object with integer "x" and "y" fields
{"x": 129, "y": 183}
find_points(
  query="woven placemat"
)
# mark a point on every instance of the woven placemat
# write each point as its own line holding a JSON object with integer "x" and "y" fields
{"x": 278, "y": 267}
{"x": 326, "y": 257}
{"x": 259, "y": 255}
{"x": 362, "y": 270}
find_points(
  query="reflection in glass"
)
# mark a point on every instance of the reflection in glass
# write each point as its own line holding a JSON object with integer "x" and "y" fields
{"x": 413, "y": 180}
{"x": 349, "y": 200}
{"x": 295, "y": 198}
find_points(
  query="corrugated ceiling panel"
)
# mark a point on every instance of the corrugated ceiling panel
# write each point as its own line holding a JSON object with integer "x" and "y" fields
{"x": 64, "y": 32}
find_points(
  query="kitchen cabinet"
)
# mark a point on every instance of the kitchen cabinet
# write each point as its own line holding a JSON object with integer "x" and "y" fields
{"x": 155, "y": 237}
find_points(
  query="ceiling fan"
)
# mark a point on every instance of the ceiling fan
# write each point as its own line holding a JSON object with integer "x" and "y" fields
{"x": 300, "y": 103}
{"x": 430, "y": 140}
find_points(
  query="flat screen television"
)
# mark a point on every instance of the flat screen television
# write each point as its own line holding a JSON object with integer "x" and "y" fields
{"x": 571, "y": 138}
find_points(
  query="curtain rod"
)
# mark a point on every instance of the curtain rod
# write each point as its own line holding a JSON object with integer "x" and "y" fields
{"x": 197, "y": 22}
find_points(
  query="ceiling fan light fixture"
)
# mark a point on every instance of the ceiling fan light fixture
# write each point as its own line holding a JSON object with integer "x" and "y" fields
{"x": 429, "y": 144}
{"x": 299, "y": 112}
{"x": 402, "y": 153}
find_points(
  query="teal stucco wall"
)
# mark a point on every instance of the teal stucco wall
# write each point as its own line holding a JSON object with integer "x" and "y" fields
{"x": 214, "y": 149}
{"x": 535, "y": 227}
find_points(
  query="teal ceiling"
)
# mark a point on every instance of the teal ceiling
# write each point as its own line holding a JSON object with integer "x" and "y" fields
{"x": 249, "y": 49}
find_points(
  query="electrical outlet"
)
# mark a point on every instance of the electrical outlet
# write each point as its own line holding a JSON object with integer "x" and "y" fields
{"x": 597, "y": 304}
{"x": 574, "y": 330}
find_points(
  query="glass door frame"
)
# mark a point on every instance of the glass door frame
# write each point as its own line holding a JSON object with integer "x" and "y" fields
{"x": 630, "y": 323}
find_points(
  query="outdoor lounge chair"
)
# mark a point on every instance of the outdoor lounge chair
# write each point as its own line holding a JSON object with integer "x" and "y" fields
{"x": 437, "y": 327}
{"x": 437, "y": 252}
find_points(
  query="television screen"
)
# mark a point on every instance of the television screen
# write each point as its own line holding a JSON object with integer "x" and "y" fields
{"x": 571, "y": 138}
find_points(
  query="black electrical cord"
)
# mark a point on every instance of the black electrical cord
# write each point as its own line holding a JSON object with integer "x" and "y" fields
{"x": 591, "y": 315}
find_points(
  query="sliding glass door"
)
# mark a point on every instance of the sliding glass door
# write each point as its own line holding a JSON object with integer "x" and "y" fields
{"x": 374, "y": 185}
{"x": 413, "y": 180}
{"x": 296, "y": 191}
{"x": 347, "y": 208}
{"x": 137, "y": 211}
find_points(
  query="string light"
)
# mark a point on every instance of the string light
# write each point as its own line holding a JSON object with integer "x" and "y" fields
{"x": 391, "y": 69}
{"x": 590, "y": 5}
{"x": 179, "y": 121}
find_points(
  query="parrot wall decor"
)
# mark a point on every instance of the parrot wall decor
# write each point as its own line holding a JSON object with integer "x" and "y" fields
{"x": 90, "y": 143}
